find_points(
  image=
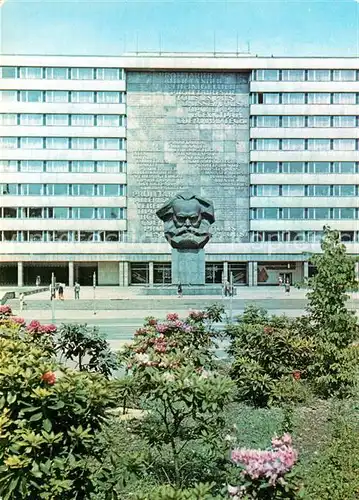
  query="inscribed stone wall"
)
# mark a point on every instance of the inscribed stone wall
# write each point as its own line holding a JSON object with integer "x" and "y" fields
{"x": 188, "y": 130}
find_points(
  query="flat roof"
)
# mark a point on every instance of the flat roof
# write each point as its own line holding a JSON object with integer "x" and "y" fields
{"x": 183, "y": 61}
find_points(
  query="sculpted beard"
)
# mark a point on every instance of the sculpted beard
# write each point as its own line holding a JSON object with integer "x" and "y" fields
{"x": 192, "y": 236}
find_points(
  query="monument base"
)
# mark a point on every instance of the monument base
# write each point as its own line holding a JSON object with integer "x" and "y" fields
{"x": 186, "y": 290}
{"x": 188, "y": 267}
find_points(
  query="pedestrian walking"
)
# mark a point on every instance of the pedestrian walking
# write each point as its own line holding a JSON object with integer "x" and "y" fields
{"x": 52, "y": 290}
{"x": 179, "y": 291}
{"x": 280, "y": 281}
{"x": 227, "y": 289}
{"x": 77, "y": 290}
{"x": 287, "y": 286}
{"x": 61, "y": 291}
{"x": 38, "y": 281}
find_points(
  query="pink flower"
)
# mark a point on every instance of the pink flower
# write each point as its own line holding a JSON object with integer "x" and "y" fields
{"x": 5, "y": 310}
{"x": 172, "y": 316}
{"x": 178, "y": 324}
{"x": 161, "y": 327}
{"x": 272, "y": 464}
{"x": 18, "y": 320}
{"x": 33, "y": 326}
{"x": 51, "y": 328}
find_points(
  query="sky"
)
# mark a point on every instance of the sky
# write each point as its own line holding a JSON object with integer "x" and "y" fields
{"x": 114, "y": 27}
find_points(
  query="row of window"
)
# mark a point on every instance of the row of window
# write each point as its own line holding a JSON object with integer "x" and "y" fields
{"x": 304, "y": 213}
{"x": 304, "y": 167}
{"x": 50, "y": 236}
{"x": 62, "y": 120}
{"x": 299, "y": 236}
{"x": 305, "y": 98}
{"x": 63, "y": 213}
{"x": 301, "y": 190}
{"x": 81, "y": 96}
{"x": 306, "y": 75}
{"x": 75, "y": 166}
{"x": 304, "y": 121}
{"x": 32, "y": 72}
{"x": 63, "y": 189}
{"x": 304, "y": 144}
{"x": 62, "y": 143}
{"x": 140, "y": 272}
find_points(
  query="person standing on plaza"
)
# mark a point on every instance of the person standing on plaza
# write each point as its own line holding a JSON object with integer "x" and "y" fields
{"x": 179, "y": 291}
{"x": 38, "y": 281}
{"x": 287, "y": 286}
{"x": 61, "y": 291}
{"x": 280, "y": 281}
{"x": 77, "y": 290}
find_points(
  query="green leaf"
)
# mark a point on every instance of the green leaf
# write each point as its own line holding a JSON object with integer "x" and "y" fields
{"x": 11, "y": 398}
{"x": 47, "y": 425}
{"x": 36, "y": 417}
{"x": 57, "y": 406}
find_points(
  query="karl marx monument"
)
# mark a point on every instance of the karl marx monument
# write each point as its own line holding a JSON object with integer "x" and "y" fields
{"x": 187, "y": 219}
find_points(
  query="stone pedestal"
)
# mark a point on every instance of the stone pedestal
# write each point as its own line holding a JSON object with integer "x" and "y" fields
{"x": 188, "y": 267}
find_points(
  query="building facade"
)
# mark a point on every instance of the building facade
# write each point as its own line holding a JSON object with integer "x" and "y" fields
{"x": 91, "y": 147}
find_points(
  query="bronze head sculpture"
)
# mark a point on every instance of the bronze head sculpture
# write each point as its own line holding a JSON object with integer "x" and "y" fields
{"x": 187, "y": 219}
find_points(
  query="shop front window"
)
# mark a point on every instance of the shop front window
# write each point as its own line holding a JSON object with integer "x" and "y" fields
{"x": 238, "y": 270}
{"x": 140, "y": 274}
{"x": 162, "y": 273}
{"x": 214, "y": 272}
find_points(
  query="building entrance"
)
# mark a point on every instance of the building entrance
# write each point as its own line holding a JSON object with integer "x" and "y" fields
{"x": 286, "y": 276}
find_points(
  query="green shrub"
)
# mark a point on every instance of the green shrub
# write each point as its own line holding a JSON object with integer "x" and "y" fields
{"x": 334, "y": 369}
{"x": 289, "y": 390}
{"x": 87, "y": 347}
{"x": 267, "y": 352}
{"x": 49, "y": 420}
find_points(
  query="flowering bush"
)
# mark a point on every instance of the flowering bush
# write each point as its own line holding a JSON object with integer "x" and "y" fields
{"x": 50, "y": 418}
{"x": 172, "y": 343}
{"x": 35, "y": 328}
{"x": 170, "y": 373}
{"x": 263, "y": 473}
{"x": 18, "y": 320}
{"x": 5, "y": 311}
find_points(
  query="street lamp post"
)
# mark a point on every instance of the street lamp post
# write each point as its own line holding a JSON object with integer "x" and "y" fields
{"x": 231, "y": 296}
{"x": 53, "y": 294}
{"x": 94, "y": 291}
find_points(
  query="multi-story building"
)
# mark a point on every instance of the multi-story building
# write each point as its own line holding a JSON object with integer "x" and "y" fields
{"x": 92, "y": 146}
